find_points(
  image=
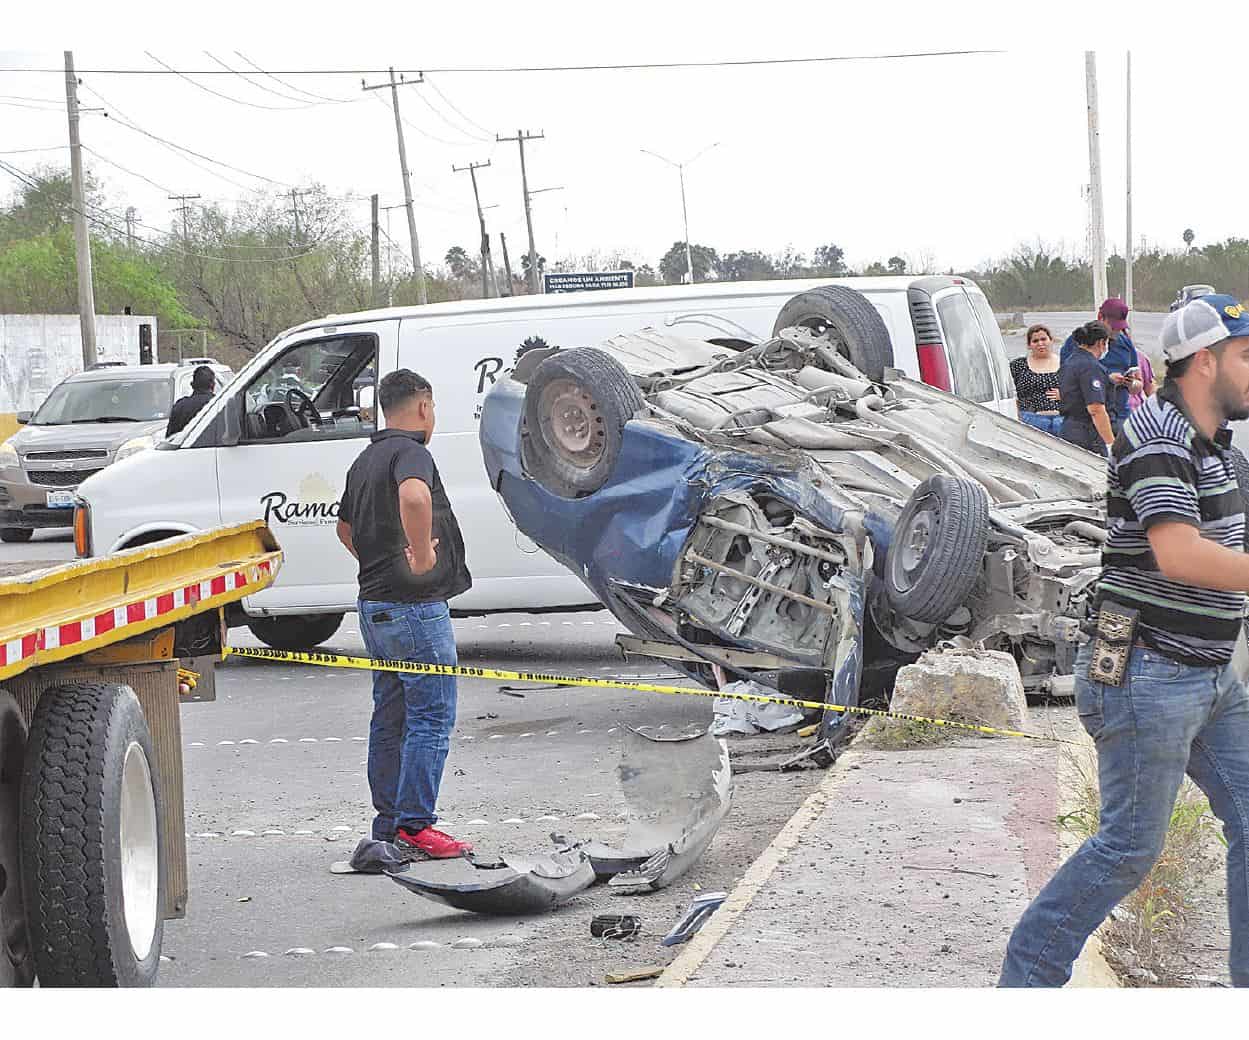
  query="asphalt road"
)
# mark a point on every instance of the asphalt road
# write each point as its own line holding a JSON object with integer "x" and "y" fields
{"x": 276, "y": 792}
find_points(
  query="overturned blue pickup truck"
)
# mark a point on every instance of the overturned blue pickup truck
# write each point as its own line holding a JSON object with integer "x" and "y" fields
{"x": 752, "y": 510}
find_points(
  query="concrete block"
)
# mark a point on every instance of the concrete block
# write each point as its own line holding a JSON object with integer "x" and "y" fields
{"x": 982, "y": 687}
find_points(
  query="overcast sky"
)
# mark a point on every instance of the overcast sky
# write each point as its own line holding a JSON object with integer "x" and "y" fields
{"x": 957, "y": 158}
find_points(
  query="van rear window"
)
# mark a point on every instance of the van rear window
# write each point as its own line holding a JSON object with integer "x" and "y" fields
{"x": 969, "y": 363}
{"x": 992, "y": 333}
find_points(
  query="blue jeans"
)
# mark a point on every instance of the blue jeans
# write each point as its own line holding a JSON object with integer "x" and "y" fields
{"x": 1045, "y": 423}
{"x": 1165, "y": 720}
{"x": 413, "y": 715}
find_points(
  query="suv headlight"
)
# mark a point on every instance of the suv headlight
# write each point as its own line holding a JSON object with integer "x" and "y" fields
{"x": 134, "y": 446}
{"x": 8, "y": 456}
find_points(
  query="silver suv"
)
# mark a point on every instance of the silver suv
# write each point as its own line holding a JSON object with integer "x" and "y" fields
{"x": 86, "y": 422}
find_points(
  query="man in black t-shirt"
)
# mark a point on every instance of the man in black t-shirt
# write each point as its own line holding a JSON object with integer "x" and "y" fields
{"x": 395, "y": 519}
{"x": 203, "y": 383}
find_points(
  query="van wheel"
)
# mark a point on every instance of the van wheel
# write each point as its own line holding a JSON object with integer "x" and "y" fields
{"x": 17, "y": 968}
{"x": 854, "y": 326}
{"x": 576, "y": 406}
{"x": 16, "y": 534}
{"x": 91, "y": 839}
{"x": 301, "y": 632}
{"x": 937, "y": 551}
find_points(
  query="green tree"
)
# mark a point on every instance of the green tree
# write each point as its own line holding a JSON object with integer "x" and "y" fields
{"x": 829, "y": 261}
{"x": 673, "y": 267}
{"x": 462, "y": 265}
{"x": 744, "y": 266}
{"x": 1188, "y": 236}
{"x": 896, "y": 265}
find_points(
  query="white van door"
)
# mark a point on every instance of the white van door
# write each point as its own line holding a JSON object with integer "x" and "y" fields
{"x": 303, "y": 426}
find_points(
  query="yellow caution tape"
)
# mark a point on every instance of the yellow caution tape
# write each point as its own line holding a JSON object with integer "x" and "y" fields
{"x": 467, "y": 672}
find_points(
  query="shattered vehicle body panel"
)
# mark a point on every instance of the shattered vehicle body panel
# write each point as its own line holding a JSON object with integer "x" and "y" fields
{"x": 513, "y": 885}
{"x": 679, "y": 790}
{"x": 754, "y": 497}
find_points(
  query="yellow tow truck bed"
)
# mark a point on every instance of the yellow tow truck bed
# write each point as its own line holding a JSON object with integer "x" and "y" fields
{"x": 92, "y": 841}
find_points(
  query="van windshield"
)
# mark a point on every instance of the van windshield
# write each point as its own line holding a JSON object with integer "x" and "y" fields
{"x": 105, "y": 401}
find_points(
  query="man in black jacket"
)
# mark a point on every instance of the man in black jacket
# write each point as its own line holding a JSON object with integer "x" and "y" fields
{"x": 395, "y": 519}
{"x": 203, "y": 385}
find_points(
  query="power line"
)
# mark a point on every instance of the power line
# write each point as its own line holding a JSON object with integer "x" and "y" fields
{"x": 307, "y": 93}
{"x": 25, "y": 151}
{"x": 425, "y": 133}
{"x": 497, "y": 69}
{"x": 225, "y": 97}
{"x": 450, "y": 105}
{"x": 123, "y": 169}
{"x": 302, "y": 102}
{"x": 446, "y": 122}
{"x": 31, "y": 181}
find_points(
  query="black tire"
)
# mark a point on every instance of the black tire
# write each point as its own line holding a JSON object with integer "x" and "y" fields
{"x": 937, "y": 552}
{"x": 301, "y": 632}
{"x": 1241, "y": 465}
{"x": 17, "y": 967}
{"x": 599, "y": 398}
{"x": 855, "y": 327}
{"x": 16, "y": 534}
{"x": 90, "y": 786}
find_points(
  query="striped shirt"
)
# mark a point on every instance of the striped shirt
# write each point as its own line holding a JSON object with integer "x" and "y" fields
{"x": 1164, "y": 470}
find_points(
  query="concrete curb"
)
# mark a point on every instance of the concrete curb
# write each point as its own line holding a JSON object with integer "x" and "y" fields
{"x": 691, "y": 958}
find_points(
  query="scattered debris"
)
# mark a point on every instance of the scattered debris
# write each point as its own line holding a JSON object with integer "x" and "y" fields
{"x": 488, "y": 715}
{"x": 513, "y": 885}
{"x": 749, "y": 717}
{"x": 615, "y": 926}
{"x": 952, "y": 870}
{"x": 694, "y": 918}
{"x": 618, "y": 977}
{"x": 679, "y": 790}
{"x": 371, "y": 857}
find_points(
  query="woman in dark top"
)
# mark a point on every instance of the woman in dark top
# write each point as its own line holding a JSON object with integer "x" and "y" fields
{"x": 1036, "y": 381}
{"x": 1082, "y": 383}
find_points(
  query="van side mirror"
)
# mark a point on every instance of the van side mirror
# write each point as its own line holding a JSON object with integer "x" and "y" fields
{"x": 23, "y": 418}
{"x": 232, "y": 419}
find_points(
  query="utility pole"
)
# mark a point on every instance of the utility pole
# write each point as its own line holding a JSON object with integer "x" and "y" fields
{"x": 1127, "y": 278}
{"x": 1098, "y": 220}
{"x": 377, "y": 259}
{"x": 185, "y": 210}
{"x": 487, "y": 266}
{"x": 130, "y": 214}
{"x": 295, "y": 195}
{"x": 407, "y": 182}
{"x": 507, "y": 265}
{"x": 521, "y": 137}
{"x": 82, "y": 237}
{"x": 680, "y": 166}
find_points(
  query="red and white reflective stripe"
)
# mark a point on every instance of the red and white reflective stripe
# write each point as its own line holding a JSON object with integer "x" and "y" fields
{"x": 58, "y": 636}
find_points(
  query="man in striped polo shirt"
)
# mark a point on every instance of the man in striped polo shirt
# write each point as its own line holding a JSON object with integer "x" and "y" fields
{"x": 1175, "y": 556}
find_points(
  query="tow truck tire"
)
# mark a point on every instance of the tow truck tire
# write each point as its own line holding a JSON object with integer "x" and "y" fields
{"x": 91, "y": 838}
{"x": 937, "y": 552}
{"x": 298, "y": 632}
{"x": 16, "y": 534}
{"x": 854, "y": 325}
{"x": 16, "y": 966}
{"x": 576, "y": 406}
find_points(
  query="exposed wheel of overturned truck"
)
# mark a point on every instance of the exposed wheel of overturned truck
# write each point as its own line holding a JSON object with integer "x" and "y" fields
{"x": 16, "y": 534}
{"x": 16, "y": 966}
{"x": 297, "y": 632}
{"x": 576, "y": 406}
{"x": 854, "y": 326}
{"x": 91, "y": 839}
{"x": 938, "y": 547}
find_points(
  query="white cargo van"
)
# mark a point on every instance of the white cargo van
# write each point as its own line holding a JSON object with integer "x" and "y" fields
{"x": 277, "y": 442}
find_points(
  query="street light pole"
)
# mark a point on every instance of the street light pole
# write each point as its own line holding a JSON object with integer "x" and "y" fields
{"x": 685, "y": 218}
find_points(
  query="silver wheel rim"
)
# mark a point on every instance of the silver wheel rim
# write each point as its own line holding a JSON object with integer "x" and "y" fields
{"x": 140, "y": 853}
{"x": 570, "y": 416}
{"x": 914, "y": 545}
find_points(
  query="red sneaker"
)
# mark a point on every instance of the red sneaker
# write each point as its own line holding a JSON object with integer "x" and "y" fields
{"x": 430, "y": 844}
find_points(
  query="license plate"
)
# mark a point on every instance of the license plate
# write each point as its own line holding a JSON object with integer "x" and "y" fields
{"x": 60, "y": 500}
